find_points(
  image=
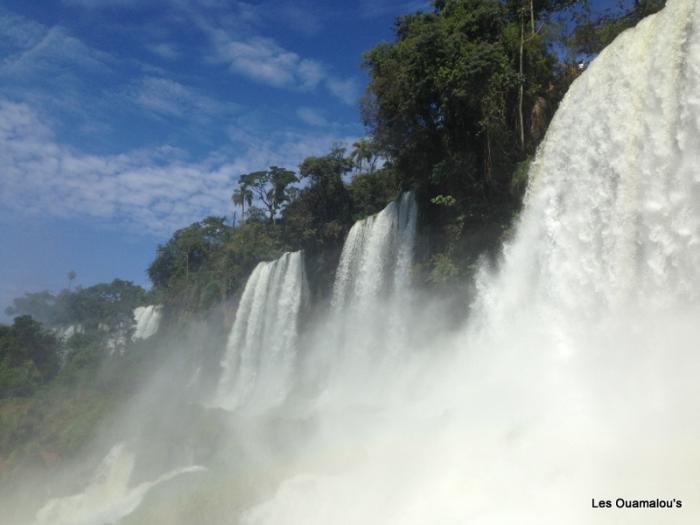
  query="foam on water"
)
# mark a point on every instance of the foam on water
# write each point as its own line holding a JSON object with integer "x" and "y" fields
{"x": 261, "y": 350}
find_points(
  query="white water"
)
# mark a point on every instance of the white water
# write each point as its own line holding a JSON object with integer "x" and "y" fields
{"x": 147, "y": 321}
{"x": 576, "y": 375}
{"x": 108, "y": 497}
{"x": 261, "y": 352}
{"x": 66, "y": 332}
{"x": 375, "y": 269}
{"x": 377, "y": 255}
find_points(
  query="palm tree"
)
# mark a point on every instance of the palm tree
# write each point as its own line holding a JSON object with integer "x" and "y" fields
{"x": 364, "y": 151}
{"x": 242, "y": 196}
{"x": 71, "y": 277}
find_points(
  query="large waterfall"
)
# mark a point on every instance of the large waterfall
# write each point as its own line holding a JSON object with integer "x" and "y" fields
{"x": 576, "y": 376}
{"x": 261, "y": 349}
{"x": 612, "y": 216}
{"x": 573, "y": 380}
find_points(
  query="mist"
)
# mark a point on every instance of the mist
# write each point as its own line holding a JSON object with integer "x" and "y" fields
{"x": 572, "y": 376}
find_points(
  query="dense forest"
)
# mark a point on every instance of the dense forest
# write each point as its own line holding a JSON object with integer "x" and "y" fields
{"x": 455, "y": 108}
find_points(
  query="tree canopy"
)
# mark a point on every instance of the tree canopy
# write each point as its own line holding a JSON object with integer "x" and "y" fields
{"x": 28, "y": 357}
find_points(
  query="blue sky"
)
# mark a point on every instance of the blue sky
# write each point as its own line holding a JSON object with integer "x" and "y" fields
{"x": 123, "y": 120}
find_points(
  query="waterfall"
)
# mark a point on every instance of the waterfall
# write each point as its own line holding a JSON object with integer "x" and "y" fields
{"x": 576, "y": 375}
{"x": 611, "y": 218}
{"x": 66, "y": 332}
{"x": 377, "y": 255}
{"x": 261, "y": 349}
{"x": 370, "y": 292}
{"x": 108, "y": 497}
{"x": 574, "y": 378}
{"x": 147, "y": 321}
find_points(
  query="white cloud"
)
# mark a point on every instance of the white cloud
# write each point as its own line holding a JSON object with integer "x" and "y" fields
{"x": 150, "y": 191}
{"x": 261, "y": 59}
{"x": 169, "y": 98}
{"x": 346, "y": 90}
{"x": 18, "y": 32}
{"x": 55, "y": 52}
{"x": 312, "y": 117}
{"x": 165, "y": 50}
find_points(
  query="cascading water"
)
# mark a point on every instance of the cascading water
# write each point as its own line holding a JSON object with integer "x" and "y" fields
{"x": 576, "y": 377}
{"x": 377, "y": 255}
{"x": 147, "y": 321}
{"x": 261, "y": 350}
{"x": 374, "y": 274}
{"x": 611, "y": 216}
{"x": 108, "y": 498}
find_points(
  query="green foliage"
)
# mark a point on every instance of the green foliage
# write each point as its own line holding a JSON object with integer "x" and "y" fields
{"x": 457, "y": 104}
{"x": 109, "y": 304}
{"x": 592, "y": 34}
{"x": 365, "y": 155}
{"x": 445, "y": 269}
{"x": 444, "y": 200}
{"x": 84, "y": 354}
{"x": 28, "y": 357}
{"x": 206, "y": 262}
{"x": 443, "y": 94}
{"x": 319, "y": 217}
{"x": 518, "y": 183}
{"x": 269, "y": 187}
{"x": 370, "y": 191}
{"x": 39, "y": 305}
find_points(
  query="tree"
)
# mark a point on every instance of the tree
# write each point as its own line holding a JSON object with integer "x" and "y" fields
{"x": 320, "y": 216}
{"x": 593, "y": 33}
{"x": 242, "y": 196}
{"x": 365, "y": 153}
{"x": 28, "y": 357}
{"x": 187, "y": 251}
{"x": 448, "y": 101}
{"x": 107, "y": 304}
{"x": 371, "y": 191}
{"x": 40, "y": 305}
{"x": 270, "y": 187}
{"x": 71, "y": 277}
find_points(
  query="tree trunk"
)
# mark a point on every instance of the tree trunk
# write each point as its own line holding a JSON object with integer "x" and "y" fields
{"x": 532, "y": 15}
{"x": 521, "y": 120}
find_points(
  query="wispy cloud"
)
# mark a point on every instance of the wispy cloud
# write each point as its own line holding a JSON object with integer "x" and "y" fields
{"x": 261, "y": 59}
{"x": 33, "y": 50}
{"x": 346, "y": 90}
{"x": 165, "y": 50}
{"x": 312, "y": 117}
{"x": 17, "y": 32}
{"x": 265, "y": 61}
{"x": 169, "y": 98}
{"x": 150, "y": 191}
